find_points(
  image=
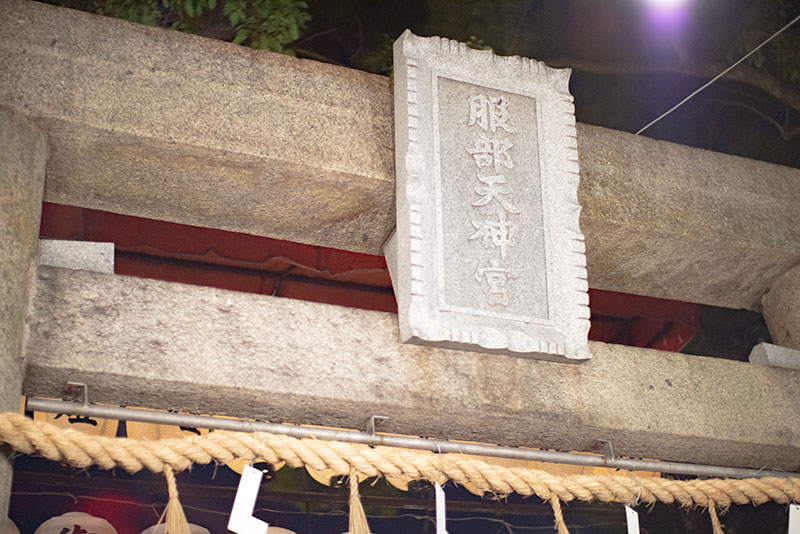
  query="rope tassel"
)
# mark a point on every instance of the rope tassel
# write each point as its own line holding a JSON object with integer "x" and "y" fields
{"x": 175, "y": 520}
{"x": 715, "y": 524}
{"x": 358, "y": 519}
{"x": 555, "y": 502}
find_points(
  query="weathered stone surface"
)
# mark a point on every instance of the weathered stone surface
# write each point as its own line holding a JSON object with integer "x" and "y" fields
{"x": 157, "y": 344}
{"x": 775, "y": 355}
{"x": 170, "y": 126}
{"x": 489, "y": 255}
{"x": 161, "y": 124}
{"x": 677, "y": 222}
{"x": 23, "y": 152}
{"x": 83, "y": 255}
{"x": 782, "y": 309}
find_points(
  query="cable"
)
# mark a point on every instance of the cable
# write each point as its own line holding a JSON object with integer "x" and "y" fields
{"x": 717, "y": 77}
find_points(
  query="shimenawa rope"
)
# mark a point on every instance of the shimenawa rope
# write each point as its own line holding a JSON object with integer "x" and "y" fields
{"x": 80, "y": 450}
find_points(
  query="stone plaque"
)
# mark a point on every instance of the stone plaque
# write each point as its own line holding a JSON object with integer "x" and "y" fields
{"x": 487, "y": 254}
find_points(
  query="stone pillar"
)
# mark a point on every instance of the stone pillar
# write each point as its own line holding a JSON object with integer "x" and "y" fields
{"x": 23, "y": 154}
{"x": 781, "y": 308}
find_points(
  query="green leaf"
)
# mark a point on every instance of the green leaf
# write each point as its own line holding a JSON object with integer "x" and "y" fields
{"x": 212, "y": 4}
{"x": 241, "y": 35}
{"x": 236, "y": 16}
{"x": 188, "y": 6}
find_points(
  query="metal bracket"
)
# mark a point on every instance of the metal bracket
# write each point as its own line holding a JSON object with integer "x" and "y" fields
{"x": 373, "y": 421}
{"x": 605, "y": 447}
{"x": 76, "y": 392}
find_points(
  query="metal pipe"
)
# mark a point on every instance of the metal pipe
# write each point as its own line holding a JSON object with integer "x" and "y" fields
{"x": 406, "y": 442}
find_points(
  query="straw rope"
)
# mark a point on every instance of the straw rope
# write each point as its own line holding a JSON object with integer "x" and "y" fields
{"x": 174, "y": 518}
{"x": 358, "y": 519}
{"x": 81, "y": 450}
{"x": 561, "y": 527}
{"x": 716, "y": 526}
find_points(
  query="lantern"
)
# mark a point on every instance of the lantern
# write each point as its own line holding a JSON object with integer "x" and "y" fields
{"x": 75, "y": 523}
{"x": 9, "y": 527}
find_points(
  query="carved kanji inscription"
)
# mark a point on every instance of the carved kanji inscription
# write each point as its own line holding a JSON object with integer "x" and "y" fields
{"x": 487, "y": 253}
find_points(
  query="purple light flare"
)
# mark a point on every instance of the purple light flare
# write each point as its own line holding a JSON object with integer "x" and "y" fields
{"x": 667, "y": 14}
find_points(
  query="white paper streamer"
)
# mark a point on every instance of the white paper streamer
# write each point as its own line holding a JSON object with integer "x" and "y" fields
{"x": 632, "y": 518}
{"x": 440, "y": 512}
{"x": 794, "y": 519}
{"x": 242, "y": 520}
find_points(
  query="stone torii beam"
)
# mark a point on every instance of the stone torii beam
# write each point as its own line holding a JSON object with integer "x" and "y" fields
{"x": 160, "y": 124}
{"x": 205, "y": 350}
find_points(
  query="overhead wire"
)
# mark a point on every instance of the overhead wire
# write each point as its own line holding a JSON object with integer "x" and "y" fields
{"x": 717, "y": 77}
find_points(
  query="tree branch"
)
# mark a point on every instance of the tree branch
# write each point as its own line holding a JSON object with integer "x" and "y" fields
{"x": 786, "y": 134}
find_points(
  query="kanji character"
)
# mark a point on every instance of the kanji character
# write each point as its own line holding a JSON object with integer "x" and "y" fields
{"x": 493, "y": 280}
{"x": 495, "y": 152}
{"x": 493, "y": 190}
{"x": 488, "y": 113}
{"x": 498, "y": 233}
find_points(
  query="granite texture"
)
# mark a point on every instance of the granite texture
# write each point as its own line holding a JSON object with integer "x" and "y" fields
{"x": 781, "y": 308}
{"x": 23, "y": 152}
{"x": 160, "y": 124}
{"x": 489, "y": 255}
{"x": 171, "y": 346}
{"x": 82, "y": 255}
{"x": 671, "y": 221}
{"x": 775, "y": 355}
